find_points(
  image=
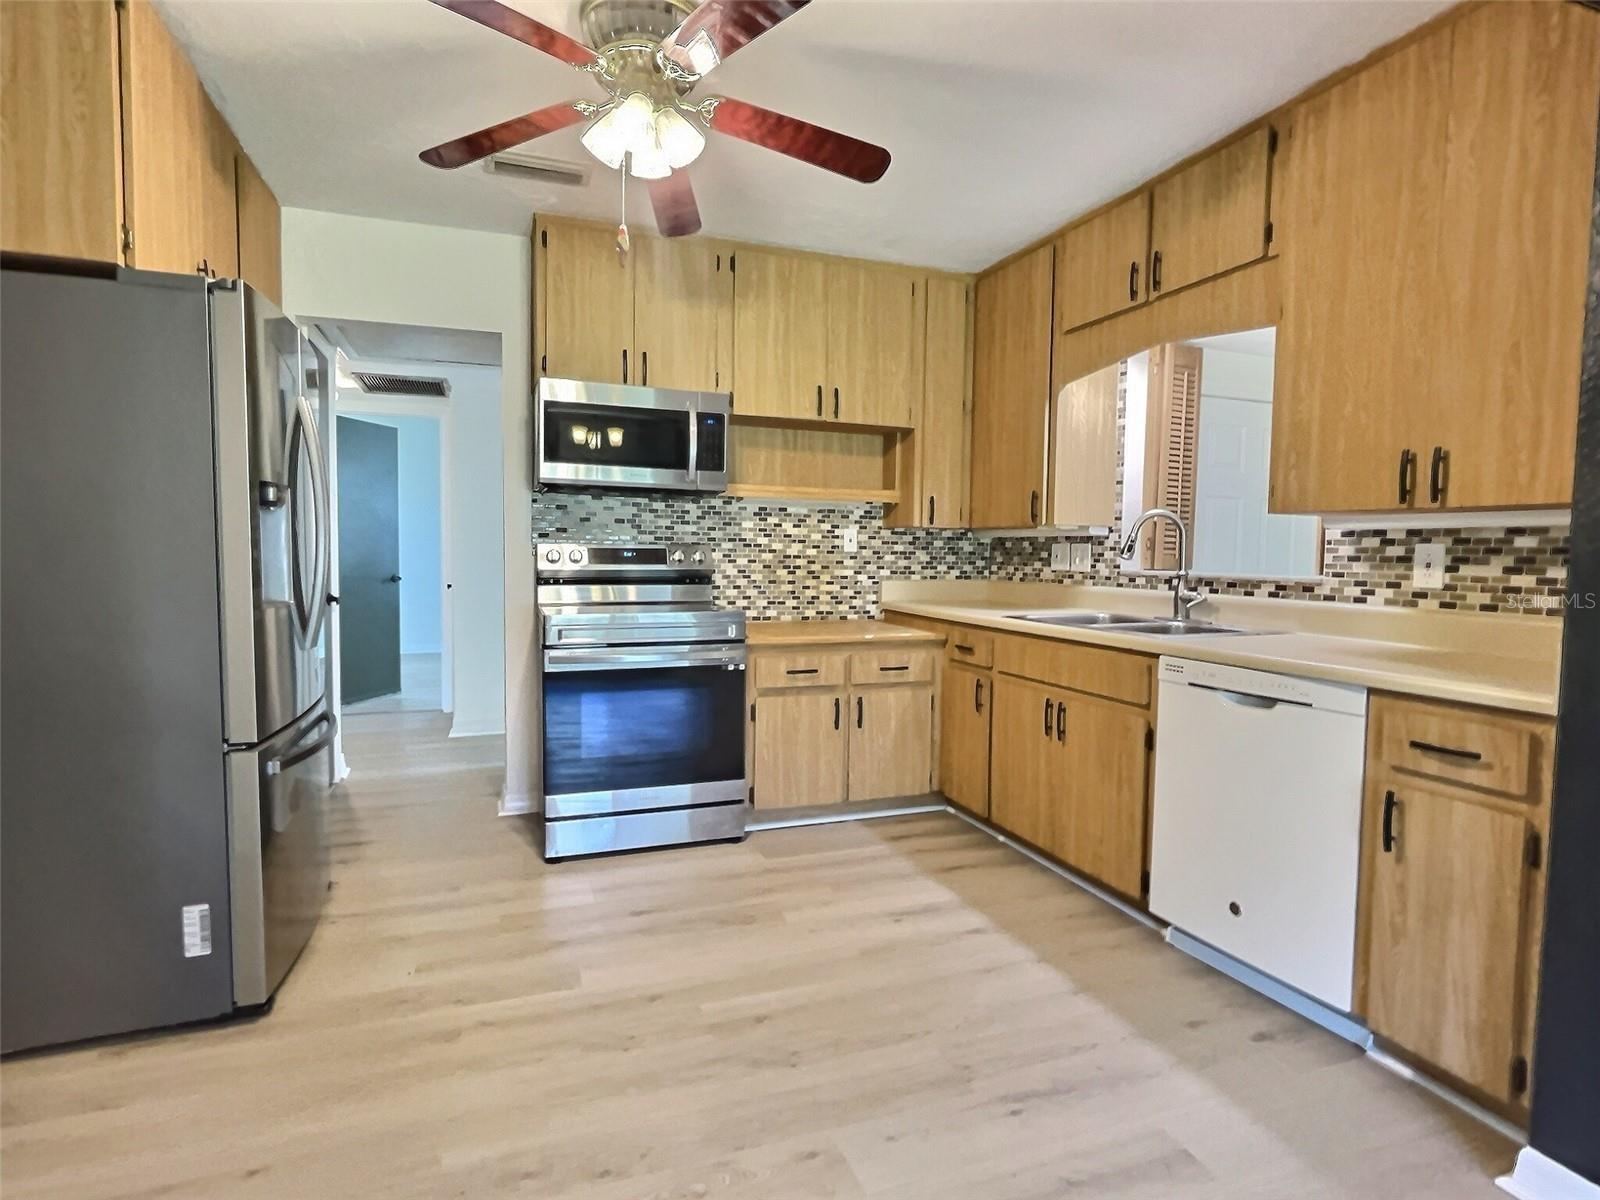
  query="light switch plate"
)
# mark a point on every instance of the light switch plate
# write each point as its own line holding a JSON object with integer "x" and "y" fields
{"x": 852, "y": 539}
{"x": 1061, "y": 556}
{"x": 1081, "y": 556}
{"x": 1427, "y": 565}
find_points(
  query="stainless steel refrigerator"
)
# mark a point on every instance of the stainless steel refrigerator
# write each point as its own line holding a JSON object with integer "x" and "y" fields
{"x": 164, "y": 727}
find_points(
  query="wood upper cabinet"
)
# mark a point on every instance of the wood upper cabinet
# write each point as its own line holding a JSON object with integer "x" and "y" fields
{"x": 219, "y": 196}
{"x": 934, "y": 487}
{"x": 798, "y": 748}
{"x": 874, "y": 343}
{"x": 1102, "y": 825}
{"x": 780, "y": 334}
{"x": 1359, "y": 344}
{"x": 1447, "y": 894}
{"x": 1011, "y": 391}
{"x": 60, "y": 131}
{"x": 1513, "y": 254}
{"x": 1102, "y": 264}
{"x": 966, "y": 710}
{"x": 683, "y": 313}
{"x": 586, "y": 305}
{"x": 1211, "y": 216}
{"x": 891, "y": 741}
{"x": 260, "y": 231}
{"x": 1083, "y": 458}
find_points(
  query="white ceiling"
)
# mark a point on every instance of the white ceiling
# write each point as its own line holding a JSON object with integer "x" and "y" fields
{"x": 1005, "y": 117}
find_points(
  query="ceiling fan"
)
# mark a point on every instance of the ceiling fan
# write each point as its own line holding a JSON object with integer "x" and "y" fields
{"x": 649, "y": 54}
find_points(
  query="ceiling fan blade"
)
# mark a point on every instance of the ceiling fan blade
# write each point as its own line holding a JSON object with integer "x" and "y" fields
{"x": 673, "y": 199}
{"x": 836, "y": 152}
{"x": 525, "y": 29}
{"x": 719, "y": 27}
{"x": 473, "y": 146}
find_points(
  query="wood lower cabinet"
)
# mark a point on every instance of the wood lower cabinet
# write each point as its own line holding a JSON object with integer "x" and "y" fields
{"x": 60, "y": 131}
{"x": 966, "y": 710}
{"x": 1211, "y": 216}
{"x": 1011, "y": 391}
{"x": 1023, "y": 759}
{"x": 1105, "y": 764}
{"x": 798, "y": 748}
{"x": 1455, "y": 819}
{"x": 891, "y": 741}
{"x": 830, "y": 722}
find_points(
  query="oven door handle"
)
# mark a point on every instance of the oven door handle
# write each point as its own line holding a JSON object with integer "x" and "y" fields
{"x": 640, "y": 658}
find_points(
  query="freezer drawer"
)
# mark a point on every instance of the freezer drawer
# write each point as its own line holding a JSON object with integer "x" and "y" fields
{"x": 278, "y": 797}
{"x": 1255, "y": 842}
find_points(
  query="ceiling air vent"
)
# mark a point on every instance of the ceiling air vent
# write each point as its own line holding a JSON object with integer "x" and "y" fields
{"x": 517, "y": 164}
{"x": 401, "y": 385}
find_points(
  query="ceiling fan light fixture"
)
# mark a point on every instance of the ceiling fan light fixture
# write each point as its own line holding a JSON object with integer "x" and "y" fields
{"x": 649, "y": 163}
{"x": 679, "y": 140}
{"x": 602, "y": 140}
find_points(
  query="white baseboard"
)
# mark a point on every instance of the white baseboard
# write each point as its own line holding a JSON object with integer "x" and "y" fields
{"x": 1450, "y": 1096}
{"x": 517, "y": 804}
{"x": 1540, "y": 1177}
{"x": 459, "y": 731}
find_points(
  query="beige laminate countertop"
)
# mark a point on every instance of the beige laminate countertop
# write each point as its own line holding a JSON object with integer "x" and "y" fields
{"x": 1468, "y": 675}
{"x": 831, "y": 633}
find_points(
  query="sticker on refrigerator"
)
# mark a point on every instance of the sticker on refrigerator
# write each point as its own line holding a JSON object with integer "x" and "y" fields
{"x": 196, "y": 930}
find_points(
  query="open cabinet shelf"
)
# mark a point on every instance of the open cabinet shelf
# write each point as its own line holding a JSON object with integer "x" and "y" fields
{"x": 786, "y": 461}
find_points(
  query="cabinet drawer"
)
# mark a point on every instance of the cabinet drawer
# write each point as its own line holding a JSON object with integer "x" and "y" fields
{"x": 800, "y": 668}
{"x": 970, "y": 646}
{"x": 1114, "y": 674}
{"x": 892, "y": 666}
{"x": 1458, "y": 746}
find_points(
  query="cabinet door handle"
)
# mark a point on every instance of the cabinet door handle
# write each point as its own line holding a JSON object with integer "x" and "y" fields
{"x": 1155, "y": 271}
{"x": 930, "y": 510}
{"x": 644, "y": 368}
{"x": 1436, "y": 474}
{"x": 962, "y": 648}
{"x": 836, "y": 712}
{"x": 858, "y": 712}
{"x": 977, "y": 695}
{"x": 1049, "y": 717}
{"x": 624, "y": 366}
{"x": 901, "y": 667}
{"x": 835, "y": 404}
{"x": 1133, "y": 280}
{"x": 800, "y": 670}
{"x": 1448, "y": 751}
{"x": 1407, "y": 462}
{"x": 1061, "y": 721}
{"x": 1033, "y": 507}
{"x": 819, "y": 399}
{"x": 1389, "y": 805}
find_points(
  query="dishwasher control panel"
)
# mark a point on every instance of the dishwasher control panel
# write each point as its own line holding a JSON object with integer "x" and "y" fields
{"x": 1289, "y": 689}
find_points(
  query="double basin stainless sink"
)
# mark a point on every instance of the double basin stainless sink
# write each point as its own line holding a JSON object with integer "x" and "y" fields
{"x": 1122, "y": 623}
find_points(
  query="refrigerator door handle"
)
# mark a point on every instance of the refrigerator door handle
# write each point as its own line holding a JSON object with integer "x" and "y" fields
{"x": 324, "y": 534}
{"x": 276, "y": 766}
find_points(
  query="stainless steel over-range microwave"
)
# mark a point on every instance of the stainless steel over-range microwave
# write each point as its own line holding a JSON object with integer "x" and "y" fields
{"x": 608, "y": 435}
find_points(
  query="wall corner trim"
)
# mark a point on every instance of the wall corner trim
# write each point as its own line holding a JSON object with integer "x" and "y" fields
{"x": 516, "y": 804}
{"x": 1539, "y": 1177}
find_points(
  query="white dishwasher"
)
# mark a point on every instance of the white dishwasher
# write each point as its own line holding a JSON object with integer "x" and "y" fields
{"x": 1257, "y": 823}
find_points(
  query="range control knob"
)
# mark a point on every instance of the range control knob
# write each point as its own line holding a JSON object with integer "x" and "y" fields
{"x": 676, "y": 556}
{"x": 552, "y": 555}
{"x": 698, "y": 557}
{"x": 575, "y": 555}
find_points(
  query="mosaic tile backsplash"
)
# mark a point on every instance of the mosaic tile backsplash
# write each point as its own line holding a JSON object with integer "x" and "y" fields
{"x": 787, "y": 561}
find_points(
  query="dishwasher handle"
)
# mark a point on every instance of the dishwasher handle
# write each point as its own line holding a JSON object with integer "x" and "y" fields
{"x": 1242, "y": 699}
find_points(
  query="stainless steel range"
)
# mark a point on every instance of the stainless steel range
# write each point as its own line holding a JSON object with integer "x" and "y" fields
{"x": 644, "y": 699}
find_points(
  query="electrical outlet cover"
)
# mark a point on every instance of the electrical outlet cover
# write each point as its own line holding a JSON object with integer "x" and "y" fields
{"x": 1061, "y": 556}
{"x": 852, "y": 538}
{"x": 1081, "y": 556}
{"x": 1427, "y": 565}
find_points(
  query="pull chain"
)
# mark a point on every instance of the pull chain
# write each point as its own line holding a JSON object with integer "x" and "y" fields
{"x": 622, "y": 226}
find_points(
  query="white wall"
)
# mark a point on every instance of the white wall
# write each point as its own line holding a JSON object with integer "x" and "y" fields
{"x": 421, "y": 550}
{"x": 336, "y": 265}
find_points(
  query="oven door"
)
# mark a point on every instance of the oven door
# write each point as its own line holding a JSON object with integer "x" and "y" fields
{"x": 616, "y": 445}
{"x": 643, "y": 728}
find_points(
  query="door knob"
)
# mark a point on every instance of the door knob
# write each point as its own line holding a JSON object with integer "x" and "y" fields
{"x": 394, "y": 579}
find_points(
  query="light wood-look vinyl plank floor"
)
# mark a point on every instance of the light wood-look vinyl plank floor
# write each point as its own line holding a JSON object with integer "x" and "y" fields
{"x": 901, "y": 1009}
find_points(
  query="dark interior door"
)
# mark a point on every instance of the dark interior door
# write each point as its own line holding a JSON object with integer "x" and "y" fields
{"x": 369, "y": 559}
